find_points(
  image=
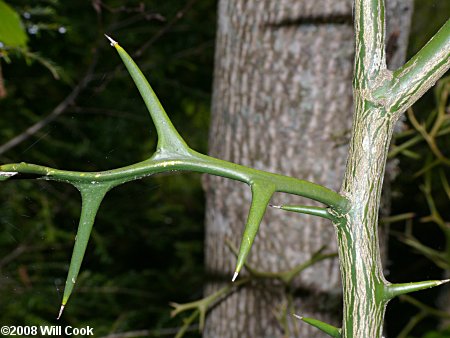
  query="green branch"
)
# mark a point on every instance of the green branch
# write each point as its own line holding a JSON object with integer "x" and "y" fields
{"x": 204, "y": 304}
{"x": 370, "y": 57}
{"x": 195, "y": 162}
{"x": 286, "y": 276}
{"x": 412, "y": 80}
{"x": 172, "y": 154}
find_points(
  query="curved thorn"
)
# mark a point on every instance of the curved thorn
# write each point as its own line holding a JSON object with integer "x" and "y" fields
{"x": 91, "y": 197}
{"x": 330, "y": 330}
{"x": 261, "y": 195}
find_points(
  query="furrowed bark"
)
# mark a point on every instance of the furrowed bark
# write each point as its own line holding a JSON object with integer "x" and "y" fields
{"x": 365, "y": 295}
{"x": 282, "y": 101}
{"x": 357, "y": 232}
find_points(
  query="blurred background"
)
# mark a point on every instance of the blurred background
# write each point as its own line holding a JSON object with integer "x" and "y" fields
{"x": 146, "y": 248}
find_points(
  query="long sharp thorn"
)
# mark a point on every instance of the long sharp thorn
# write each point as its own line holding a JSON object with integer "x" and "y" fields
{"x": 113, "y": 42}
{"x": 235, "y": 276}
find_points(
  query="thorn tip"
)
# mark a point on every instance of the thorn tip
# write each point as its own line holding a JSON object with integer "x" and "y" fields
{"x": 297, "y": 316}
{"x": 113, "y": 42}
{"x": 60, "y": 312}
{"x": 8, "y": 173}
{"x": 275, "y": 206}
{"x": 235, "y": 276}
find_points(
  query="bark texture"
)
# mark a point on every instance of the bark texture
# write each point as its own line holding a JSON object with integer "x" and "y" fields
{"x": 282, "y": 103}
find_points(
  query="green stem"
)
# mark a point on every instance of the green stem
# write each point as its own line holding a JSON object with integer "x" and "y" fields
{"x": 193, "y": 162}
{"x": 411, "y": 81}
{"x": 370, "y": 60}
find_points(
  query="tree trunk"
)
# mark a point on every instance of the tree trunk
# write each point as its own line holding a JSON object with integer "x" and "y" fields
{"x": 282, "y": 103}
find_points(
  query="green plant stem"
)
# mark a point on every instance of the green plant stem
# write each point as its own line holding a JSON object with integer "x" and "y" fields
{"x": 413, "y": 322}
{"x": 379, "y": 99}
{"x": 195, "y": 162}
{"x": 370, "y": 60}
{"x": 419, "y": 74}
{"x": 204, "y": 304}
{"x": 288, "y": 275}
{"x": 187, "y": 322}
{"x": 425, "y": 308}
{"x": 429, "y": 138}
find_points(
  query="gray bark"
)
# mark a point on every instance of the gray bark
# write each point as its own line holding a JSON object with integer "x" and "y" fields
{"x": 283, "y": 103}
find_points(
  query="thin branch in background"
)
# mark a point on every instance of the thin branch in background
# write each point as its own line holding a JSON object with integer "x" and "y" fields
{"x": 2, "y": 84}
{"x": 59, "y": 109}
{"x": 178, "y": 16}
{"x": 13, "y": 255}
{"x": 151, "y": 333}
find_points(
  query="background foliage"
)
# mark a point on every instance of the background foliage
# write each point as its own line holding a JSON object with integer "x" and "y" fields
{"x": 146, "y": 248}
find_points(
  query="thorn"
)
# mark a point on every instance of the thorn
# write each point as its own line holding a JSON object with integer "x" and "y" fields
{"x": 235, "y": 276}
{"x": 60, "y": 312}
{"x": 445, "y": 281}
{"x": 113, "y": 43}
{"x": 297, "y": 316}
{"x": 275, "y": 206}
{"x": 8, "y": 173}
